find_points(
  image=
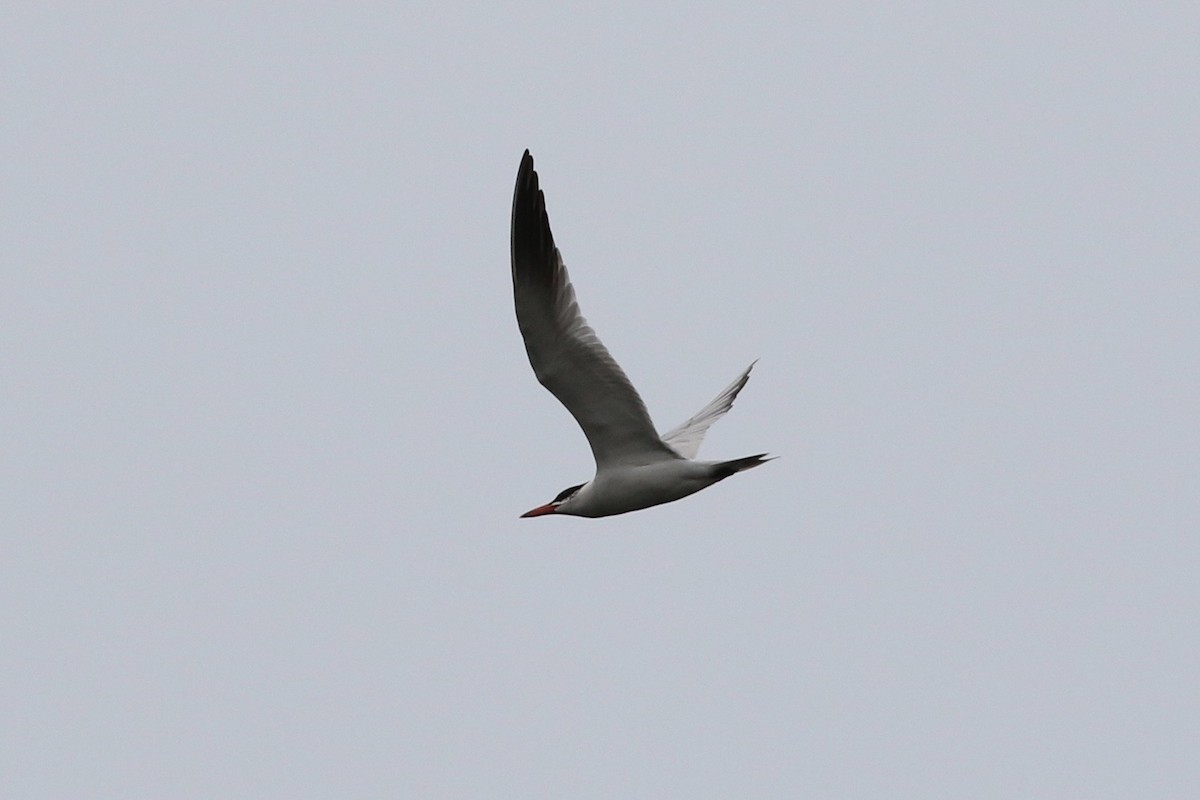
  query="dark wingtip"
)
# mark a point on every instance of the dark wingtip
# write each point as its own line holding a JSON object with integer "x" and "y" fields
{"x": 527, "y": 180}
{"x": 526, "y": 166}
{"x": 531, "y": 237}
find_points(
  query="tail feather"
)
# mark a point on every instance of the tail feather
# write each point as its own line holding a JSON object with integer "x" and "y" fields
{"x": 726, "y": 468}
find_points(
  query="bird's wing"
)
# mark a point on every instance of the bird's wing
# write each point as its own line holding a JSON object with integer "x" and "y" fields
{"x": 566, "y": 355}
{"x": 686, "y": 439}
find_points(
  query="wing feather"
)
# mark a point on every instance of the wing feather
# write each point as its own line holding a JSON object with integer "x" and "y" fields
{"x": 566, "y": 355}
{"x": 686, "y": 439}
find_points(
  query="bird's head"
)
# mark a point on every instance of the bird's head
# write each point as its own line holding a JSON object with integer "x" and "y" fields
{"x": 558, "y": 505}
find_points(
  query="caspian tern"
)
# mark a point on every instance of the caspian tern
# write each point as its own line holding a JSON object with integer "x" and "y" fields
{"x": 635, "y": 467}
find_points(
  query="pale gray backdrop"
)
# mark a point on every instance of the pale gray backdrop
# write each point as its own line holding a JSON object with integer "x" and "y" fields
{"x": 268, "y": 424}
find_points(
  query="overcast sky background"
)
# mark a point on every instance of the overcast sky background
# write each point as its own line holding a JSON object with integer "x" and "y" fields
{"x": 268, "y": 422}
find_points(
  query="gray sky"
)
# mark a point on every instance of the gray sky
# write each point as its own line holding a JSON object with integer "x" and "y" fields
{"x": 268, "y": 422}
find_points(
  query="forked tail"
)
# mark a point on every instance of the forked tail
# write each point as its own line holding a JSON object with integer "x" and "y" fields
{"x": 726, "y": 468}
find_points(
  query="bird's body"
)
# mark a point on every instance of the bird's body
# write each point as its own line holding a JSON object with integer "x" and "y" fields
{"x": 635, "y": 467}
{"x": 629, "y": 488}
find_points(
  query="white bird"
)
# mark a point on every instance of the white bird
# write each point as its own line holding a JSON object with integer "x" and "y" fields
{"x": 635, "y": 467}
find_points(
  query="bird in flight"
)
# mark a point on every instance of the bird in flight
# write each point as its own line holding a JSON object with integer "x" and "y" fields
{"x": 635, "y": 467}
